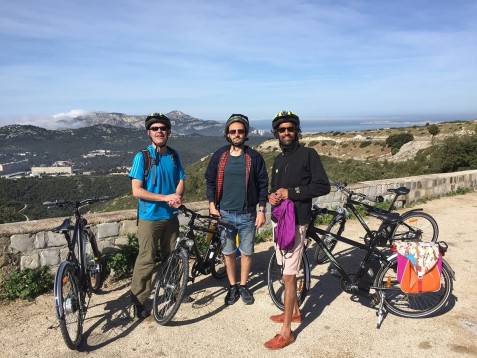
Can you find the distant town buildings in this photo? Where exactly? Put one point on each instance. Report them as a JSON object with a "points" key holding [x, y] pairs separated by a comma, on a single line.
{"points": [[101, 152], [14, 167], [35, 171]]}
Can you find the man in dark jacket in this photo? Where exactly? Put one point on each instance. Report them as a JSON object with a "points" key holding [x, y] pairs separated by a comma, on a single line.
{"points": [[297, 175], [237, 181]]}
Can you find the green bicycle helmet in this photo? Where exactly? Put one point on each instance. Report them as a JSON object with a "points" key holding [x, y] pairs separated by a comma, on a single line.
{"points": [[237, 118], [157, 117], [285, 116]]}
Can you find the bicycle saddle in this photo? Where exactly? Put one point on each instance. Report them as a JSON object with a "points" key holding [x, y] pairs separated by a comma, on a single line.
{"points": [[65, 227], [400, 191]]}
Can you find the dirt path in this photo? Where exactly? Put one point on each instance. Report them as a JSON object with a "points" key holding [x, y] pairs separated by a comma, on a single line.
{"points": [[334, 324]]}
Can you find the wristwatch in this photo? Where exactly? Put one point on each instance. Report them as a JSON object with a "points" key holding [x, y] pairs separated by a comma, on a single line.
{"points": [[262, 211]]}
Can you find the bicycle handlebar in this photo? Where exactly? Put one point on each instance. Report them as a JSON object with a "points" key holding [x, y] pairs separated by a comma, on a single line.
{"points": [[342, 187], [77, 203], [188, 212]]}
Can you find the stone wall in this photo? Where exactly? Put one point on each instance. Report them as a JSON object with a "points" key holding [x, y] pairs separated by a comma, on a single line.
{"points": [[31, 244]]}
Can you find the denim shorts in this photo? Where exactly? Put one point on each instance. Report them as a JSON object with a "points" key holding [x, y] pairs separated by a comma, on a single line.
{"points": [[244, 225]]}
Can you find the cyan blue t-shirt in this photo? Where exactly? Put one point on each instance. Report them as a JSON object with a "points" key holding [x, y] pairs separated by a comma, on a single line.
{"points": [[167, 172]]}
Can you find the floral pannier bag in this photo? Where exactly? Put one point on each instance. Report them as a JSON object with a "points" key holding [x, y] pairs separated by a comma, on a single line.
{"points": [[419, 266]]}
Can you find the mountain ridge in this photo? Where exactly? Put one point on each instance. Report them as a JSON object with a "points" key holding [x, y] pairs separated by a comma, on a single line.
{"points": [[182, 123]]}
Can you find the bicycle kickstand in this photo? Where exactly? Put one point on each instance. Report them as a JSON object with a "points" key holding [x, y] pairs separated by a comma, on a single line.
{"points": [[380, 312]]}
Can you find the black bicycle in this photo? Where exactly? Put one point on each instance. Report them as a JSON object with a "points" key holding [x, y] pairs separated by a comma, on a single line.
{"points": [[173, 274], [377, 271], [79, 275], [412, 225]]}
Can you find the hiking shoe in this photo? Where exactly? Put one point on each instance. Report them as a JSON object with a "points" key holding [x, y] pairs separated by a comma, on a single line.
{"points": [[278, 342], [246, 295], [140, 311], [232, 295], [279, 318]]}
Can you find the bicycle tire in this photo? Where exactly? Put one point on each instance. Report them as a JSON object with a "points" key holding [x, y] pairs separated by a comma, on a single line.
{"points": [[170, 286], [69, 298], [276, 287], [93, 263], [217, 263], [336, 226], [416, 226], [417, 305]]}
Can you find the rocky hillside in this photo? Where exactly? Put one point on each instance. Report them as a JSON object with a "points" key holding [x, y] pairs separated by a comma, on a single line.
{"points": [[370, 144]]}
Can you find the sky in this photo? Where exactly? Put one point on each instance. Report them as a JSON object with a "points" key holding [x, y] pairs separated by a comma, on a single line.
{"points": [[211, 58]]}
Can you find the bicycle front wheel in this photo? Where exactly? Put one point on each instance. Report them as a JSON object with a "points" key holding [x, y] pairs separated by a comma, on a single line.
{"points": [[276, 287], [415, 305], [217, 263], [170, 285], [69, 309], [416, 226], [336, 226]]}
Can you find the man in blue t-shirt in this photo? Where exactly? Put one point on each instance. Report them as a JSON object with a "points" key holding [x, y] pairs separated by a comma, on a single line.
{"points": [[237, 181], [159, 190]]}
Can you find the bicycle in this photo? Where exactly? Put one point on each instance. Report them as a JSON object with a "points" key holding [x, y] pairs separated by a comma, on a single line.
{"points": [[79, 275], [173, 274], [413, 225], [376, 271]]}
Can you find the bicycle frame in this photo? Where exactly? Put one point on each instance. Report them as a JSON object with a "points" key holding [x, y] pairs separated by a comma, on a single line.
{"points": [[78, 262], [388, 227], [314, 232], [189, 241], [79, 229]]}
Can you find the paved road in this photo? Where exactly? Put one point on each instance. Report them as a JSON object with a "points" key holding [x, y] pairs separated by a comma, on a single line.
{"points": [[335, 325]]}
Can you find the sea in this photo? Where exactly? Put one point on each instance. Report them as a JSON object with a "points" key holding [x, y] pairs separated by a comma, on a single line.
{"points": [[346, 124]]}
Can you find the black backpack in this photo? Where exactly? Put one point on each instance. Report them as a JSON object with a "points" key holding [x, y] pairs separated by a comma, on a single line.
{"points": [[150, 161]]}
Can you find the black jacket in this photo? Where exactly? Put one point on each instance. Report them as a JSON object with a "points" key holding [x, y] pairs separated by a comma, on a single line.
{"points": [[301, 172]]}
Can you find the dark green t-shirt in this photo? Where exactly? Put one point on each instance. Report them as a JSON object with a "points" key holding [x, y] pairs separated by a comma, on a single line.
{"points": [[234, 195]]}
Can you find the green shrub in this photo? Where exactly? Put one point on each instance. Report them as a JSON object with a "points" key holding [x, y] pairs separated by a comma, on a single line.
{"points": [[27, 284], [396, 141], [323, 219], [263, 235], [365, 144], [122, 263], [313, 143], [460, 191], [344, 145]]}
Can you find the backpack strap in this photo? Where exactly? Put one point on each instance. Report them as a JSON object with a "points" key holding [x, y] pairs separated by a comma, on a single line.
{"points": [[146, 157], [148, 162]]}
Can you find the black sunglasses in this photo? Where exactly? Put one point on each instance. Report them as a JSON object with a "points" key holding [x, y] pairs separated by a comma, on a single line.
{"points": [[283, 129], [161, 128], [239, 131]]}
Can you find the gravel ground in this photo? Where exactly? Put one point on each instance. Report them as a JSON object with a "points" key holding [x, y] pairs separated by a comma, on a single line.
{"points": [[334, 325]]}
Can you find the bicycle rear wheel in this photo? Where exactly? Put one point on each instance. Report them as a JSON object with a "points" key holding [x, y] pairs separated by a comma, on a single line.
{"points": [[217, 263], [276, 287], [416, 226], [170, 285], [336, 226], [415, 305], [68, 297], [93, 263]]}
